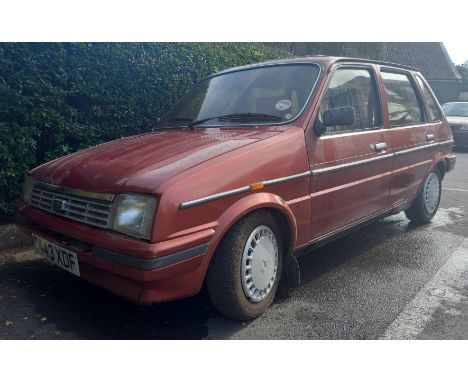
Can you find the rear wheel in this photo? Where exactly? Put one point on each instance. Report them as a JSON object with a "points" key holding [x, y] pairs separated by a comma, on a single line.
{"points": [[244, 274], [426, 204]]}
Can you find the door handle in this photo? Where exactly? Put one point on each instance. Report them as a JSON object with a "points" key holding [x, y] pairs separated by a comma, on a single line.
{"points": [[379, 146], [430, 137]]}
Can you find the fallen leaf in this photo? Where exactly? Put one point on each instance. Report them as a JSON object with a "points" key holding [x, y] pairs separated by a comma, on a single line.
{"points": [[25, 318], [8, 323], [44, 318], [57, 333]]}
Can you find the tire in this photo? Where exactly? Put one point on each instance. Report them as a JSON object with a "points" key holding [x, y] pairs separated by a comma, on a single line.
{"points": [[427, 202], [228, 277]]}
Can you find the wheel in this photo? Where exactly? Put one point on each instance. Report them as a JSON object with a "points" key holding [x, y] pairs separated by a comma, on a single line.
{"points": [[427, 202], [246, 268]]}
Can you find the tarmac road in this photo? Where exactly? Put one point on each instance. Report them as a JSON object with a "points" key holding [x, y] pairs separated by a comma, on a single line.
{"points": [[389, 280]]}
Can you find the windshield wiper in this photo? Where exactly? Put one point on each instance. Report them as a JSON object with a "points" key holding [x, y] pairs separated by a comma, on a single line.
{"points": [[157, 125], [179, 119], [237, 117]]}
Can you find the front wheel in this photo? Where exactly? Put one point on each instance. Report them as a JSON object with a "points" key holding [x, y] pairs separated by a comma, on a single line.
{"points": [[427, 202], [244, 274]]}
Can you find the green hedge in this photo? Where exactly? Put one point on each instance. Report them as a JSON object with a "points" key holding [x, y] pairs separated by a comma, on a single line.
{"points": [[56, 98]]}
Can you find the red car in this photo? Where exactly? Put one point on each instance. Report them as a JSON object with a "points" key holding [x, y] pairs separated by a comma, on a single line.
{"points": [[457, 118], [254, 165]]}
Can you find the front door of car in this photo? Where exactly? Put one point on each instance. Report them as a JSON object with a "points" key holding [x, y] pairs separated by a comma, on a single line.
{"points": [[351, 164]]}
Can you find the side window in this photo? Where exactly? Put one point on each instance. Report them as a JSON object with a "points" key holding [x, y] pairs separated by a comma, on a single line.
{"points": [[403, 104], [434, 112], [356, 88]]}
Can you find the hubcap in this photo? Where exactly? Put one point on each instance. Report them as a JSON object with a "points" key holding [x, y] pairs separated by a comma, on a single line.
{"points": [[259, 263], [431, 192]]}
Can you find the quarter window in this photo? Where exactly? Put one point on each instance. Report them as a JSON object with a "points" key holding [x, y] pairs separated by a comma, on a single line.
{"points": [[356, 88], [403, 104], [434, 112]]}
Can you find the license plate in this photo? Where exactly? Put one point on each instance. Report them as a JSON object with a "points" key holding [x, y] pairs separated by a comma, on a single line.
{"points": [[56, 255], [464, 128]]}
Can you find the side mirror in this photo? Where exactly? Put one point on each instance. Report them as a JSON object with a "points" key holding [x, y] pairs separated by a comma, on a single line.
{"points": [[340, 116]]}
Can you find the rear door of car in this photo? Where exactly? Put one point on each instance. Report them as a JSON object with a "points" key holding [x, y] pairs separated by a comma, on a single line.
{"points": [[350, 164], [411, 137]]}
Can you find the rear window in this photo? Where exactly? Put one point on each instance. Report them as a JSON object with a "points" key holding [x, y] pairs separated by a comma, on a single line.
{"points": [[433, 109], [403, 105]]}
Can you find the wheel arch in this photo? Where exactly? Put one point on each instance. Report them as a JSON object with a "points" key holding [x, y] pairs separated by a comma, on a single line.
{"points": [[254, 202]]}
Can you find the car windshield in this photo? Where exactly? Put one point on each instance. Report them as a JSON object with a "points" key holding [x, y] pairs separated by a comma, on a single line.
{"points": [[456, 109], [268, 95]]}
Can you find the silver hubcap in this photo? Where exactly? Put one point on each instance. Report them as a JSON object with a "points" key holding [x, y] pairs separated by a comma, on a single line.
{"points": [[431, 192], [259, 263]]}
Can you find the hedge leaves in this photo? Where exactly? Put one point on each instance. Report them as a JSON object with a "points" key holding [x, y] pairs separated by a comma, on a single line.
{"points": [[56, 98]]}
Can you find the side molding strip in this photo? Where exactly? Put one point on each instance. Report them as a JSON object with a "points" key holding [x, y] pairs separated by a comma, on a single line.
{"points": [[320, 171], [210, 198], [326, 170], [241, 190]]}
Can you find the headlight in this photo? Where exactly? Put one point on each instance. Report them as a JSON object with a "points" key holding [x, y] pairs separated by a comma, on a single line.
{"points": [[133, 214], [27, 189]]}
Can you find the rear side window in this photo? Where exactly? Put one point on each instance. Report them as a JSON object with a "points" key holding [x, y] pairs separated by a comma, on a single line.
{"points": [[356, 88], [434, 112], [403, 105]]}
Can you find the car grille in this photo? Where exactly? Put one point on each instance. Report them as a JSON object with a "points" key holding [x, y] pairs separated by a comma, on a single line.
{"points": [[61, 201]]}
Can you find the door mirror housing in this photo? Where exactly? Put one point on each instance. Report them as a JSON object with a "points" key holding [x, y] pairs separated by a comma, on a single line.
{"points": [[339, 116]]}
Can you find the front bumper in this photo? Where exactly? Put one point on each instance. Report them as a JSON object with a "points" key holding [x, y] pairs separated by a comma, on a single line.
{"points": [[133, 269]]}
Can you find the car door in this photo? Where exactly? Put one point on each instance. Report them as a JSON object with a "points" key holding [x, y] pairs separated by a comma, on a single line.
{"points": [[349, 164], [408, 132]]}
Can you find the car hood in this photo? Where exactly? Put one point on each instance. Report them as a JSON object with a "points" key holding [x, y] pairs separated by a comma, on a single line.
{"points": [[141, 163], [457, 120]]}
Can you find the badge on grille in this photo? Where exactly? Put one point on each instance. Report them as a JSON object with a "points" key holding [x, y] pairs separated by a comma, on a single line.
{"points": [[59, 205]]}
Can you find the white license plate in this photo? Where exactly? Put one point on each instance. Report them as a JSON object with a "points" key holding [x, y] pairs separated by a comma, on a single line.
{"points": [[56, 255]]}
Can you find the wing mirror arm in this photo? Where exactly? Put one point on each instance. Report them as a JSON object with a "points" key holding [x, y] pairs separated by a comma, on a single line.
{"points": [[319, 127]]}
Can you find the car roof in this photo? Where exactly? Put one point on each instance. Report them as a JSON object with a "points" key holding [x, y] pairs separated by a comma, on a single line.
{"points": [[324, 61]]}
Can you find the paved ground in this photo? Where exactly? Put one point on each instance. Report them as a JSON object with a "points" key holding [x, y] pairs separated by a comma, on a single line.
{"points": [[391, 279]]}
